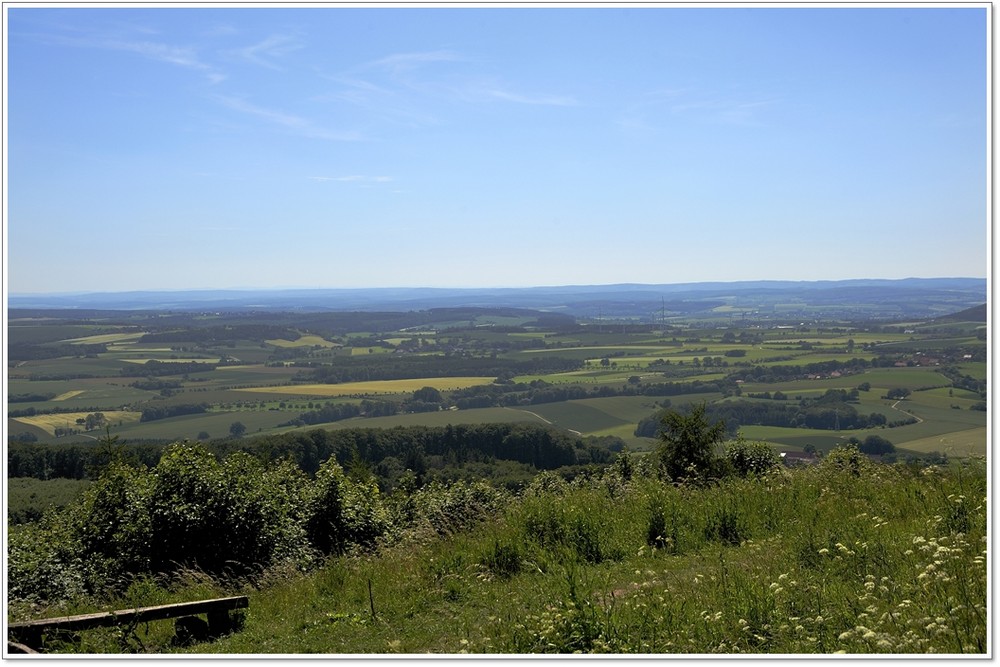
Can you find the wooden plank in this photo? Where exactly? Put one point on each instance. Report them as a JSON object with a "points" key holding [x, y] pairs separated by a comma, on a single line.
{"points": [[138, 615], [14, 647]]}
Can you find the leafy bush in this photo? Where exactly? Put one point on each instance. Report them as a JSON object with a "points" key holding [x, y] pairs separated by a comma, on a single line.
{"points": [[751, 458], [340, 511]]}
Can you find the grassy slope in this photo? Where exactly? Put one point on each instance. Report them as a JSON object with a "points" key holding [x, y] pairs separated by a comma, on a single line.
{"points": [[856, 559]]}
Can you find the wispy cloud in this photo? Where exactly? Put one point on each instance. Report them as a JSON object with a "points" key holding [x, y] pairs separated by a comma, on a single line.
{"points": [[385, 102], [353, 179], [399, 63], [534, 99], [174, 55], [180, 56], [725, 111], [718, 107], [266, 53], [297, 124]]}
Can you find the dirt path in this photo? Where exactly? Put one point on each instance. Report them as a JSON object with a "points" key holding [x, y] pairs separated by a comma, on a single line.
{"points": [[893, 406], [535, 414]]}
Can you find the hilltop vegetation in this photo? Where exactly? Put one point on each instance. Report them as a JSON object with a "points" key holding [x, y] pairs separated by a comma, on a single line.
{"points": [[845, 556]]}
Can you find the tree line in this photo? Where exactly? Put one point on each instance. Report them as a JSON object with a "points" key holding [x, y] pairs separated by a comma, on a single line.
{"points": [[401, 367], [539, 446], [538, 392], [828, 412]]}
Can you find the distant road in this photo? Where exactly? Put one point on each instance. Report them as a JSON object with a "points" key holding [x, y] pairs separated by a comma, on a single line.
{"points": [[905, 412], [535, 414]]}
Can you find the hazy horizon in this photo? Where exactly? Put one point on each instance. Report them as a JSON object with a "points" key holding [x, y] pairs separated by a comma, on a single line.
{"points": [[487, 288], [211, 148]]}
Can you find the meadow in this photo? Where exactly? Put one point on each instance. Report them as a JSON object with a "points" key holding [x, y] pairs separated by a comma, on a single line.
{"points": [[846, 557]]}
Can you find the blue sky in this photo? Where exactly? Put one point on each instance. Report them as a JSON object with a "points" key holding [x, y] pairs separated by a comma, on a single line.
{"points": [[170, 148]]}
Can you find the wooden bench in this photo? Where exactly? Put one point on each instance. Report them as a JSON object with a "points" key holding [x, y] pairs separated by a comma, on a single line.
{"points": [[28, 634]]}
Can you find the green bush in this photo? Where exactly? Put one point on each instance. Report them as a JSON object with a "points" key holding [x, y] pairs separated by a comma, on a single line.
{"points": [[341, 511], [236, 517], [750, 458]]}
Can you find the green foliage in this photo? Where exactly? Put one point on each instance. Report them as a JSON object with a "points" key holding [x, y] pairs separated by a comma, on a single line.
{"points": [[341, 511], [427, 395], [750, 458], [845, 556], [876, 444], [503, 559], [28, 498], [687, 448], [439, 510], [848, 459]]}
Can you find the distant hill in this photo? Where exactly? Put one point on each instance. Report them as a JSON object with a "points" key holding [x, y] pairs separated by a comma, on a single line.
{"points": [[974, 314], [764, 300]]}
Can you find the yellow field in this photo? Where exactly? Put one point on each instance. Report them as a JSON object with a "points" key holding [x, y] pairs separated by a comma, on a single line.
{"points": [[374, 387], [68, 394], [105, 338], [361, 351], [49, 423], [961, 443], [303, 341], [130, 346], [214, 360]]}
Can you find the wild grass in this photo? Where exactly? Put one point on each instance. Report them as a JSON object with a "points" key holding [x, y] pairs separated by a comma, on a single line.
{"points": [[844, 557]]}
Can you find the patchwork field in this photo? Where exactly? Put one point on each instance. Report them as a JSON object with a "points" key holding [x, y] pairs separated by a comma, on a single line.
{"points": [[49, 423], [302, 341], [273, 382], [373, 388]]}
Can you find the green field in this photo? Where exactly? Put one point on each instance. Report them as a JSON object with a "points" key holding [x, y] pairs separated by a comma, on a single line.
{"points": [[373, 388], [441, 418], [269, 385], [958, 443]]}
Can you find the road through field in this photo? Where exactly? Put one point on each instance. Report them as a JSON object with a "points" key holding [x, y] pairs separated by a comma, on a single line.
{"points": [[535, 414], [909, 414]]}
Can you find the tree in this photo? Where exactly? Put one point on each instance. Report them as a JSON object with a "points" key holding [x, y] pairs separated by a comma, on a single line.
{"points": [[236, 429], [427, 395], [877, 445], [687, 443]]}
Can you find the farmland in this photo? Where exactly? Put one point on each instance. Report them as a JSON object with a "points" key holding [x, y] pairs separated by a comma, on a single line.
{"points": [[275, 373], [508, 463]]}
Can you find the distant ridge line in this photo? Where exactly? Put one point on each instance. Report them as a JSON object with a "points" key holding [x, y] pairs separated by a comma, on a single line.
{"points": [[925, 297]]}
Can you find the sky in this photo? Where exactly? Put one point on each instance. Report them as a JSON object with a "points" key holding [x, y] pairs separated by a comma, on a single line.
{"points": [[268, 147]]}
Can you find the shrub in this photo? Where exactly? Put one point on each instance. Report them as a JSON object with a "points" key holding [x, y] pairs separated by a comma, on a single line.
{"points": [[502, 559], [750, 458], [341, 511], [236, 516], [848, 459]]}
